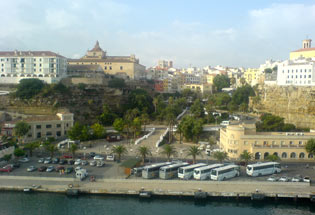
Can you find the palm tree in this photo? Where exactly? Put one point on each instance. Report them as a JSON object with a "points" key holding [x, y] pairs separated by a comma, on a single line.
{"points": [[171, 120], [119, 151], [155, 103], [73, 148], [310, 146], [144, 152], [169, 150], [52, 149], [272, 158], [193, 151], [21, 129], [31, 147], [220, 156], [246, 156]]}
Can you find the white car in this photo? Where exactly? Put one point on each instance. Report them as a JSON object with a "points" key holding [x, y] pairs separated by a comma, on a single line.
{"points": [[93, 163], [297, 178], [77, 168], [31, 168], [100, 163], [98, 157], [78, 162], [47, 160], [24, 160], [273, 178], [84, 162], [110, 157], [50, 169], [307, 179], [284, 179], [41, 160]]}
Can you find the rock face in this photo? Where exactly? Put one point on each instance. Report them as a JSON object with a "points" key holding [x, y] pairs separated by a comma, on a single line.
{"points": [[295, 104]]}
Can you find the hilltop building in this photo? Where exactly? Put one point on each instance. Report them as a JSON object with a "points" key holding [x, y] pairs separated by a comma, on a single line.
{"points": [[44, 65], [127, 67], [306, 51]]}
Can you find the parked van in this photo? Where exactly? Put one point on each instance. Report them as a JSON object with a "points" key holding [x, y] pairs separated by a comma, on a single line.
{"points": [[81, 174], [225, 123]]}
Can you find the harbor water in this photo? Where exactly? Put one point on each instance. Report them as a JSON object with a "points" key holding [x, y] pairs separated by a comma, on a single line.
{"points": [[15, 203]]}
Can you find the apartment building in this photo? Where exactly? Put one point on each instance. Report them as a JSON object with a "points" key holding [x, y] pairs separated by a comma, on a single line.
{"points": [[44, 65], [234, 139]]}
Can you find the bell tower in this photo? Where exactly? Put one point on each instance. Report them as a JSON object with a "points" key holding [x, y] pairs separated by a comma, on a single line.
{"points": [[307, 43]]}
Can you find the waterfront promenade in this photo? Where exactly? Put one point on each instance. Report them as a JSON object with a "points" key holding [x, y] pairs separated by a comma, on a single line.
{"points": [[161, 187]]}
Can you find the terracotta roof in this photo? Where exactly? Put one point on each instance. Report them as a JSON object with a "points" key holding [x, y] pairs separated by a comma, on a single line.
{"points": [[96, 48], [305, 50], [41, 118], [29, 54]]}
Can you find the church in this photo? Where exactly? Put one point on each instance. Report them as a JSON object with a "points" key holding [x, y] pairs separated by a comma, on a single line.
{"points": [[127, 67]]}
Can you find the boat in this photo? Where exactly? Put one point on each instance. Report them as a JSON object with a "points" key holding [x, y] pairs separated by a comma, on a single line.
{"points": [[27, 190], [145, 194]]}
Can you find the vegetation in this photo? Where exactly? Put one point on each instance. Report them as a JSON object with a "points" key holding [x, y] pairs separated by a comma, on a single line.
{"points": [[117, 83], [73, 148], [51, 148], [272, 158], [221, 81], [144, 151], [220, 156], [191, 128], [194, 152], [119, 151], [19, 152], [246, 157], [99, 131], [169, 150], [21, 129], [28, 88], [31, 147], [310, 146], [107, 118], [7, 157]]}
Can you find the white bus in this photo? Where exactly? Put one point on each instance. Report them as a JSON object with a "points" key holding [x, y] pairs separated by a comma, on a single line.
{"points": [[225, 172], [203, 173], [260, 169], [170, 171], [187, 172], [152, 171]]}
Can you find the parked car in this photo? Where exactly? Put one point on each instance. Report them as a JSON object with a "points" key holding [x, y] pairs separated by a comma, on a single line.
{"points": [[67, 156], [110, 157], [24, 160], [284, 179], [59, 168], [92, 154], [47, 160], [16, 165], [55, 160], [7, 168], [62, 161], [31, 168], [93, 163], [50, 169], [41, 160], [71, 162], [273, 178], [100, 163], [98, 157], [297, 178], [42, 168], [84, 162], [77, 168], [307, 179], [69, 170], [78, 162]]}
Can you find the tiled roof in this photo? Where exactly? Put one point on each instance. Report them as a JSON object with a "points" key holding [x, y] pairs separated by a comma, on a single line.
{"points": [[305, 50], [29, 54]]}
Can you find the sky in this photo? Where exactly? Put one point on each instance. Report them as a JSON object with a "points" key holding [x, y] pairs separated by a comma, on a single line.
{"points": [[243, 33]]}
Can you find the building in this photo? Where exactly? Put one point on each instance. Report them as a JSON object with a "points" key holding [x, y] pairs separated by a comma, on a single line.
{"points": [[164, 64], [44, 65], [298, 72], [234, 139], [42, 127], [306, 51], [252, 76], [127, 67]]}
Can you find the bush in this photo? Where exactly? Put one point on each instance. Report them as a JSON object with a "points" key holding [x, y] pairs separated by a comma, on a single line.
{"points": [[28, 88]]}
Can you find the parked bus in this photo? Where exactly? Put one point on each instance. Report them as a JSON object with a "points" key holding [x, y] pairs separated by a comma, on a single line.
{"points": [[260, 169], [170, 171], [187, 172], [203, 173], [225, 172], [152, 171]]}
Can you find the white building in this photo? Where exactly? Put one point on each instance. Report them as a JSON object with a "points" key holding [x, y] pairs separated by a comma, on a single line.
{"points": [[44, 65], [298, 72]]}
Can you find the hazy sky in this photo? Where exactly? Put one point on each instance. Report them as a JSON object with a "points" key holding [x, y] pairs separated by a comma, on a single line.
{"points": [[189, 32]]}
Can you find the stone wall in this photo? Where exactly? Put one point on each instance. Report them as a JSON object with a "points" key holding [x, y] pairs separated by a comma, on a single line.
{"points": [[295, 104]]}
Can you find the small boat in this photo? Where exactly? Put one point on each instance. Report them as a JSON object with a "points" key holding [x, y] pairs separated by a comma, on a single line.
{"points": [[145, 194], [27, 190]]}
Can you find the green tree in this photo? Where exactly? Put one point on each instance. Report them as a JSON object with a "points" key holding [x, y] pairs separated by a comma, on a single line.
{"points": [[212, 142], [31, 147], [242, 94], [7, 157], [220, 156], [119, 151], [28, 88], [243, 107], [73, 148], [171, 120], [75, 132], [197, 108], [169, 150], [222, 99], [119, 125], [310, 146], [221, 81], [19, 152], [272, 158], [52, 149], [194, 152], [21, 129], [197, 129], [98, 130], [144, 151], [118, 83], [136, 127], [145, 119], [243, 81], [141, 100], [246, 156], [107, 117]]}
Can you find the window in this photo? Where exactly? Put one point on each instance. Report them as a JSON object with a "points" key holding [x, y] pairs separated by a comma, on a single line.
{"points": [[293, 155], [105, 67], [309, 76], [48, 126], [29, 135], [38, 126], [291, 142], [48, 133], [58, 126], [121, 68], [265, 143], [110, 68], [34, 64], [58, 133], [300, 142], [39, 135], [284, 155]]}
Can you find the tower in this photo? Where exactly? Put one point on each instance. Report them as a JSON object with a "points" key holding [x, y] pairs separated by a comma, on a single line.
{"points": [[307, 43]]}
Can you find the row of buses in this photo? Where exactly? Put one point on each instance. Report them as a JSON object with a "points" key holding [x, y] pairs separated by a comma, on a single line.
{"points": [[201, 171]]}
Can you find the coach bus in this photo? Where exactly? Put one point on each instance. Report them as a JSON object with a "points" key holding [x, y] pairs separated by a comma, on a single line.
{"points": [[187, 172], [152, 171], [260, 169], [170, 171], [203, 173], [225, 172]]}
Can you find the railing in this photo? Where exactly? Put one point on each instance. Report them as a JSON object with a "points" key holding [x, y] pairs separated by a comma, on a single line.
{"points": [[278, 146]]}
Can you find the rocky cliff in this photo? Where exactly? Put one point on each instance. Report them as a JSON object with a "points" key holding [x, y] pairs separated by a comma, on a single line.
{"points": [[295, 104]]}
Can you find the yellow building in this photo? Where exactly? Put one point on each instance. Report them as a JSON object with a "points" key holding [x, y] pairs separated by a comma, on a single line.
{"points": [[234, 139], [252, 76], [123, 66], [202, 88], [306, 51], [208, 78]]}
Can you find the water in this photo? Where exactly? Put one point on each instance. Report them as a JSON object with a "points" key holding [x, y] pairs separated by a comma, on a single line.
{"points": [[15, 203]]}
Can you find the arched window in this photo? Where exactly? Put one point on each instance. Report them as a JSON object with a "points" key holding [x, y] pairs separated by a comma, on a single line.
{"points": [[302, 155], [284, 155], [257, 156], [2, 75], [266, 155], [276, 153], [293, 155], [310, 155], [40, 75]]}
